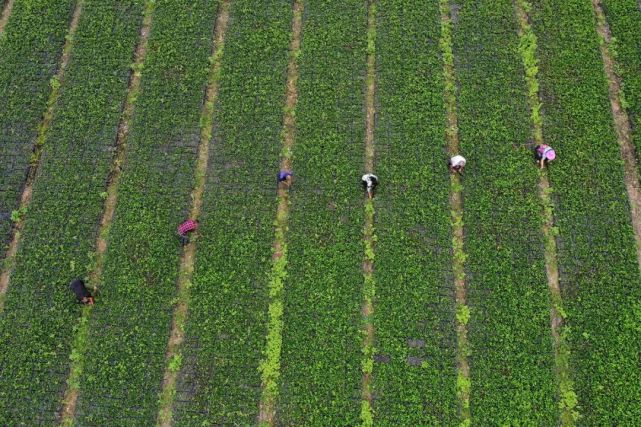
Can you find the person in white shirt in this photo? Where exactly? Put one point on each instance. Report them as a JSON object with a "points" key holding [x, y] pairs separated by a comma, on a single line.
{"points": [[369, 181], [456, 164]]}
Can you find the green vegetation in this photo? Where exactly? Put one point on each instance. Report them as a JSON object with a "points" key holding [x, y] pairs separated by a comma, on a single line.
{"points": [[129, 327], [30, 48], [597, 258], [322, 339], [414, 372], [60, 229], [226, 329], [511, 360]]}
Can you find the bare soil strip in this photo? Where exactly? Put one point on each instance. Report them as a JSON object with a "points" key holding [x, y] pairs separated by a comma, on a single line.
{"points": [[77, 359], [25, 199], [621, 123], [567, 402], [6, 13], [369, 238], [456, 207], [270, 366], [177, 334]]}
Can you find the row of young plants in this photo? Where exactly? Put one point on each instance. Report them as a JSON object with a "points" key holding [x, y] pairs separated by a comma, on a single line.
{"points": [[130, 324], [219, 381], [322, 339], [30, 48], [414, 370], [511, 355], [597, 257], [624, 19], [37, 325]]}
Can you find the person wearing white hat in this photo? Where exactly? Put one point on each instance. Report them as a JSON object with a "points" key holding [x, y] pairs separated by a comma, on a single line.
{"points": [[456, 164], [544, 154], [369, 181]]}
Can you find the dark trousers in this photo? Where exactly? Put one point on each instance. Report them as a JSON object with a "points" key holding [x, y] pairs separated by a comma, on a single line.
{"points": [[184, 239]]}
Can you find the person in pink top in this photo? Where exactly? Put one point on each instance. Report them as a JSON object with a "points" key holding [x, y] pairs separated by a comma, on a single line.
{"points": [[184, 229], [544, 154]]}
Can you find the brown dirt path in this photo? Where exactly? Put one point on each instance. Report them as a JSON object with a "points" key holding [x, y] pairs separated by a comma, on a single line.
{"points": [[78, 347], [456, 208], [6, 13], [25, 199], [369, 237], [270, 366], [621, 124], [567, 398], [177, 334]]}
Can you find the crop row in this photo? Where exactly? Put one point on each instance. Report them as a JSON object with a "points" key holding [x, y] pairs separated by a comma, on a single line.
{"points": [[414, 372], [225, 332], [511, 357], [624, 18], [59, 234], [30, 48], [129, 326], [597, 259], [321, 354]]}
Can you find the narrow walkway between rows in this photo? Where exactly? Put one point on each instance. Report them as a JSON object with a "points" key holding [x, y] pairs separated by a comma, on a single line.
{"points": [[567, 396], [369, 237], [456, 206], [6, 13], [177, 334], [25, 199], [270, 365], [621, 123], [77, 362]]}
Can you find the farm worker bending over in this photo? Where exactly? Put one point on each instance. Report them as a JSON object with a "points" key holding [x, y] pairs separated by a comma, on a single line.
{"points": [[544, 154], [456, 164], [285, 177], [80, 290], [185, 228], [369, 181]]}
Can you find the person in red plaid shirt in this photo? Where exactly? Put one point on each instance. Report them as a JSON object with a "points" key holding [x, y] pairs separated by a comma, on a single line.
{"points": [[186, 227]]}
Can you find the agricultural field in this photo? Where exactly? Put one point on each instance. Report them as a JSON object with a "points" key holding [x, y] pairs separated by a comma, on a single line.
{"points": [[506, 295]]}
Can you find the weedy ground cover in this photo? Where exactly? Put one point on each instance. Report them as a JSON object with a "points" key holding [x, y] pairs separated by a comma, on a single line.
{"points": [[30, 48], [59, 233], [129, 328], [597, 258], [321, 354], [511, 357], [219, 381], [414, 365]]}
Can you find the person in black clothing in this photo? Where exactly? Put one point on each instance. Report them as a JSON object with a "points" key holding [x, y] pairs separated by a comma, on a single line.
{"points": [[80, 290]]}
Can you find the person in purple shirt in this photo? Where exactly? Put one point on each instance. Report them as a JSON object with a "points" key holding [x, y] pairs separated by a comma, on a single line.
{"points": [[285, 177]]}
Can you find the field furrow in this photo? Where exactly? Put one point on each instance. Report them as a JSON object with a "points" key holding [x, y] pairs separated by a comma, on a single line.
{"points": [[599, 274], [30, 48], [60, 230], [130, 323], [414, 367], [219, 382], [321, 354], [511, 354]]}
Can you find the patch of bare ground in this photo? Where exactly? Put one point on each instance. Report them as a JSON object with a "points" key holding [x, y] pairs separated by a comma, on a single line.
{"points": [[25, 198], [621, 124], [6, 13], [369, 238], [567, 397], [270, 365], [77, 361], [187, 260], [456, 209]]}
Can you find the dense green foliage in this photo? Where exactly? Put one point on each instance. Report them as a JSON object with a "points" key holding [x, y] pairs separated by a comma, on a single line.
{"points": [[129, 327], [597, 260], [414, 372], [321, 372], [60, 230], [225, 333], [511, 357], [30, 49], [624, 18]]}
